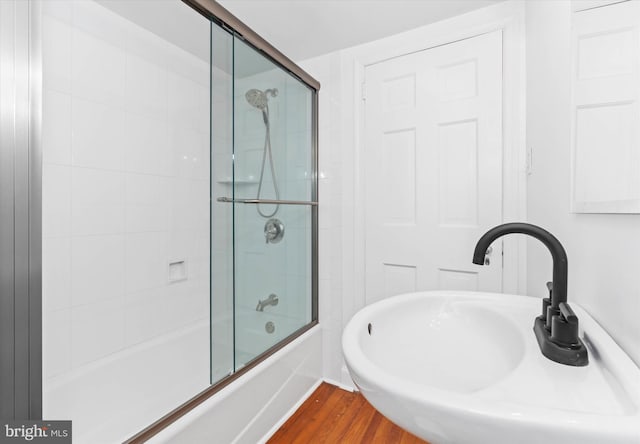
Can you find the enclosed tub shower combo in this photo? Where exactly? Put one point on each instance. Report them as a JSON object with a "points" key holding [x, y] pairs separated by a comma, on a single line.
{"points": [[176, 154]]}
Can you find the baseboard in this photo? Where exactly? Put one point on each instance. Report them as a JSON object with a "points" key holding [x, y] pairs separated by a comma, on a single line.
{"points": [[347, 387], [346, 379]]}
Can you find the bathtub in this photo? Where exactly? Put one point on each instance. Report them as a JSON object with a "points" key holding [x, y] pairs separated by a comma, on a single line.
{"points": [[257, 331], [251, 408], [113, 398]]}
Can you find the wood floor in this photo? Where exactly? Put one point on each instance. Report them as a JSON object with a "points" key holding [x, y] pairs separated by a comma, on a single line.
{"points": [[335, 416]]}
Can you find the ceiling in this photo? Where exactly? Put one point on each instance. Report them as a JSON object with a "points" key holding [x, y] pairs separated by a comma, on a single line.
{"points": [[302, 29]]}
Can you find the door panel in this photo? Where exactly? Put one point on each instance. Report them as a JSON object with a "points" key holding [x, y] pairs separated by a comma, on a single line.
{"points": [[606, 110], [433, 167]]}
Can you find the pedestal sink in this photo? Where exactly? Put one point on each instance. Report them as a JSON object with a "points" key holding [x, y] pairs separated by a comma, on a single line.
{"points": [[464, 367]]}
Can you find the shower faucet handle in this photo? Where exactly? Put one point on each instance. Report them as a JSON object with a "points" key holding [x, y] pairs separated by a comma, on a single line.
{"points": [[270, 232], [273, 231]]}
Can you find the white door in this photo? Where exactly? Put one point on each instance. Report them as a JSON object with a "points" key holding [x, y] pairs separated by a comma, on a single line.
{"points": [[433, 168]]}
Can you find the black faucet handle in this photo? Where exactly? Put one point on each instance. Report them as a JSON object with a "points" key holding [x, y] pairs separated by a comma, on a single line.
{"points": [[564, 327], [546, 302], [568, 314]]}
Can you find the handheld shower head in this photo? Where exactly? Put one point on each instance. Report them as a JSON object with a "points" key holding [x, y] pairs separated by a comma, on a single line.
{"points": [[260, 99], [256, 98]]}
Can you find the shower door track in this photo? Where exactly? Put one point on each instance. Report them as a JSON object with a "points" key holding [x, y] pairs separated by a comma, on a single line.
{"points": [[267, 201], [214, 11]]}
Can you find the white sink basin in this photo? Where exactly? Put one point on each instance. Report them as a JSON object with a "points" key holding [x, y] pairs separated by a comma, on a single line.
{"points": [[462, 367]]}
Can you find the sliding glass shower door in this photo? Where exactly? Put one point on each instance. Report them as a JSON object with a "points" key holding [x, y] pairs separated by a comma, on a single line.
{"points": [[222, 362], [273, 162], [263, 204]]}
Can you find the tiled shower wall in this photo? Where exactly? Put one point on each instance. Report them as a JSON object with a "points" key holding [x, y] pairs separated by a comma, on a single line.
{"points": [[125, 191]]}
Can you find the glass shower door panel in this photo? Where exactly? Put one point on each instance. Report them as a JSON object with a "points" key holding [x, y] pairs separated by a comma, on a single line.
{"points": [[273, 161], [272, 121], [221, 213], [273, 281]]}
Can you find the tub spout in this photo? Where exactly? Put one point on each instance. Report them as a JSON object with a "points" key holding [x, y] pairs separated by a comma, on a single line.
{"points": [[271, 300]]}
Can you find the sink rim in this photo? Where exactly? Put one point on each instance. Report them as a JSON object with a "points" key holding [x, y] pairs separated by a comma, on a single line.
{"points": [[453, 333], [369, 373]]}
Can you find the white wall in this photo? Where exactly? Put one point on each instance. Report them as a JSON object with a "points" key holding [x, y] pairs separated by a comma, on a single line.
{"points": [[336, 205], [125, 191], [603, 249]]}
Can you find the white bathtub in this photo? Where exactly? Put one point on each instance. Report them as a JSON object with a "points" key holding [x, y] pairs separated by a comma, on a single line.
{"points": [[251, 408], [252, 337], [112, 399]]}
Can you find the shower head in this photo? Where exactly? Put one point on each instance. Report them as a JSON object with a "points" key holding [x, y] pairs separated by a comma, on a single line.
{"points": [[256, 98], [259, 99]]}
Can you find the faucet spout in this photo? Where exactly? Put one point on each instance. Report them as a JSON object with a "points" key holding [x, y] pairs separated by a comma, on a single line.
{"points": [[271, 300], [559, 255], [556, 329]]}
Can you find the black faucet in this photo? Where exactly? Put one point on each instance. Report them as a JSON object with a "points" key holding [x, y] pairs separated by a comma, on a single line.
{"points": [[557, 328]]}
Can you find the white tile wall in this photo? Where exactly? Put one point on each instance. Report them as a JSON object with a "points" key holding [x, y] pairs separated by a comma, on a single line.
{"points": [[56, 345], [97, 69], [336, 203], [56, 50], [147, 207], [146, 316], [146, 146], [56, 277], [125, 190], [56, 200], [146, 88], [97, 330], [97, 269], [98, 134], [56, 130], [146, 261], [97, 202]]}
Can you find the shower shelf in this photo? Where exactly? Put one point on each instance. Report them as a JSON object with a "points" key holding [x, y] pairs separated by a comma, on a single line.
{"points": [[267, 201], [228, 181]]}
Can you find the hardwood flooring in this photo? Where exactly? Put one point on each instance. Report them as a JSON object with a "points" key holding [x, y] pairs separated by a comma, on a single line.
{"points": [[332, 415]]}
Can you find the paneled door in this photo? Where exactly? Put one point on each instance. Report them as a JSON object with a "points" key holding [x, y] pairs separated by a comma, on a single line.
{"points": [[606, 109], [433, 168]]}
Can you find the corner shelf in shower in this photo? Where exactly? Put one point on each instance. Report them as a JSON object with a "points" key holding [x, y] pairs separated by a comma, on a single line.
{"points": [[228, 181]]}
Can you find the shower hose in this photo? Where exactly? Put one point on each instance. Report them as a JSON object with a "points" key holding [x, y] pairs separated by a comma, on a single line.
{"points": [[267, 151]]}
